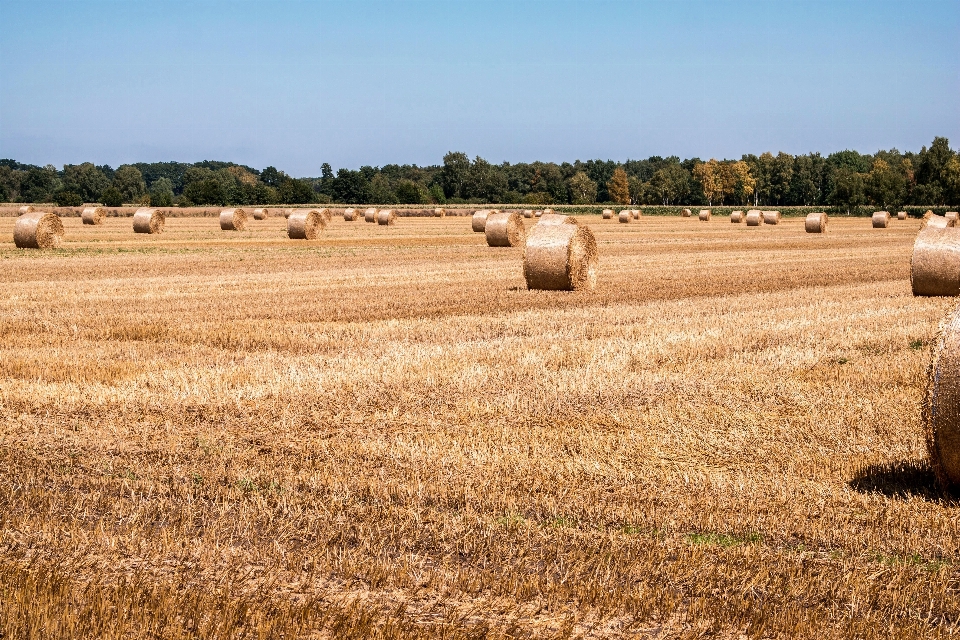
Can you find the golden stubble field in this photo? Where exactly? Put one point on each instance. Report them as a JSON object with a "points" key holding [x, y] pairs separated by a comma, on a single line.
{"points": [[382, 433]]}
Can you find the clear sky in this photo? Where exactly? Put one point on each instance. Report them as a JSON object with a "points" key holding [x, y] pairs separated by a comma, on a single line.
{"points": [[295, 84]]}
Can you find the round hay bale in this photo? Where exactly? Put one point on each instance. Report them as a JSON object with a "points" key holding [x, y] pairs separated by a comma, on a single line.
{"points": [[705, 215], [560, 257], [636, 214], [439, 212], [736, 217], [259, 214], [607, 214], [941, 404], [305, 224], [38, 230], [25, 209], [505, 229], [950, 215], [349, 215], [880, 219], [93, 215], [686, 213], [557, 218], [528, 213], [288, 212], [901, 215], [754, 218], [148, 221], [771, 217], [327, 215], [370, 215], [816, 223], [479, 221], [625, 216], [937, 222], [387, 217], [233, 220], [537, 214], [935, 263], [548, 211]]}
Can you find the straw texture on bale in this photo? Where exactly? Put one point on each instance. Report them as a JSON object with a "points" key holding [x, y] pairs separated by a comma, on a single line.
{"points": [[941, 406], [625, 216], [25, 209], [479, 221], [528, 213], [370, 215], [935, 263], [705, 215], [305, 224], [560, 257], [816, 223], [901, 215], [931, 221], [37, 230], [259, 214], [233, 220], [880, 219], [686, 213], [505, 229], [349, 215], [439, 212], [771, 217], [93, 215], [287, 212], [736, 217], [607, 214], [557, 218], [387, 217], [754, 218], [148, 221]]}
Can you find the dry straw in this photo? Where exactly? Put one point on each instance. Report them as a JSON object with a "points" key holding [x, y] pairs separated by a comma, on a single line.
{"points": [[93, 215], [305, 224], [941, 406], [736, 217], [233, 220], [607, 214], [148, 221], [479, 221], [880, 219], [557, 218], [370, 215], [771, 217], [260, 214], [37, 230], [901, 215], [387, 217], [505, 229], [754, 218], [935, 264], [25, 209], [816, 223], [705, 215], [625, 216], [560, 257], [528, 213], [439, 212], [349, 215]]}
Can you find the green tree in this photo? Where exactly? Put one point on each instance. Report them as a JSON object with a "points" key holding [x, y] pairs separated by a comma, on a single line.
{"points": [[381, 192], [112, 197], [781, 175], [885, 187], [161, 193], [455, 173], [847, 190], [409, 192], [86, 180], [129, 182], [619, 187], [582, 189], [709, 176], [39, 184], [436, 194]]}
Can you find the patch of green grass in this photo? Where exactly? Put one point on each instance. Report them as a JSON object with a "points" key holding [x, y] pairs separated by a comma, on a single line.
{"points": [[914, 559], [916, 345]]}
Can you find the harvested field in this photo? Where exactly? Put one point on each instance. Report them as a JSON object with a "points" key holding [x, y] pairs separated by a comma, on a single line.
{"points": [[388, 435]]}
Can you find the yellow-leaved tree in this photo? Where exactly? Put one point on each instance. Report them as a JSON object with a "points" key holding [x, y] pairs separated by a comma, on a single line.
{"points": [[708, 174], [619, 187]]}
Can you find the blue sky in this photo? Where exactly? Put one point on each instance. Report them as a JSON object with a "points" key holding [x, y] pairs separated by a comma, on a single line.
{"points": [[295, 84]]}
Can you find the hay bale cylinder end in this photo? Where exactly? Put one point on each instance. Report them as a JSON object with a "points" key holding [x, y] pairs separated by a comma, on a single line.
{"points": [[560, 257], [505, 229], [38, 230]]}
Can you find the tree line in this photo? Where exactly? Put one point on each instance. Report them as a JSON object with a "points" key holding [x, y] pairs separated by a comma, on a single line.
{"points": [[845, 181]]}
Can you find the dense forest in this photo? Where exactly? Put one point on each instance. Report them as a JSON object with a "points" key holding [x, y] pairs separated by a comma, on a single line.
{"points": [[843, 181]]}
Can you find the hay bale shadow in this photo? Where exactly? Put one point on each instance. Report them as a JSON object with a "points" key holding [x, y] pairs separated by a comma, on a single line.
{"points": [[901, 479]]}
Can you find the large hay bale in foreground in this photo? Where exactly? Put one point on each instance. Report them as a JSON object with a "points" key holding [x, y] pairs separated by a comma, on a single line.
{"points": [[439, 212], [147, 220], [736, 217], [260, 214], [705, 215], [816, 223], [607, 214], [771, 217], [38, 230], [505, 229], [370, 215], [935, 263], [686, 213], [557, 218], [25, 209], [754, 218], [560, 257], [880, 219], [479, 221], [901, 215], [941, 405], [625, 216], [93, 215], [349, 215], [305, 224], [387, 217], [233, 220]]}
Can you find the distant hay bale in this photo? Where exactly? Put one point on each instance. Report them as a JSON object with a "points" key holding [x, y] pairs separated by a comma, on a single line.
{"points": [[560, 257], [259, 214], [349, 215], [901, 215], [233, 220], [686, 213], [941, 404], [148, 221], [557, 218], [537, 214], [880, 219], [528, 213], [305, 224], [607, 214], [387, 217], [936, 222], [950, 215], [705, 215], [636, 214], [547, 211], [625, 216], [736, 217], [479, 220], [505, 229], [93, 215], [771, 217], [370, 215], [288, 212], [754, 218], [25, 209], [816, 223], [37, 230], [935, 263], [439, 212]]}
